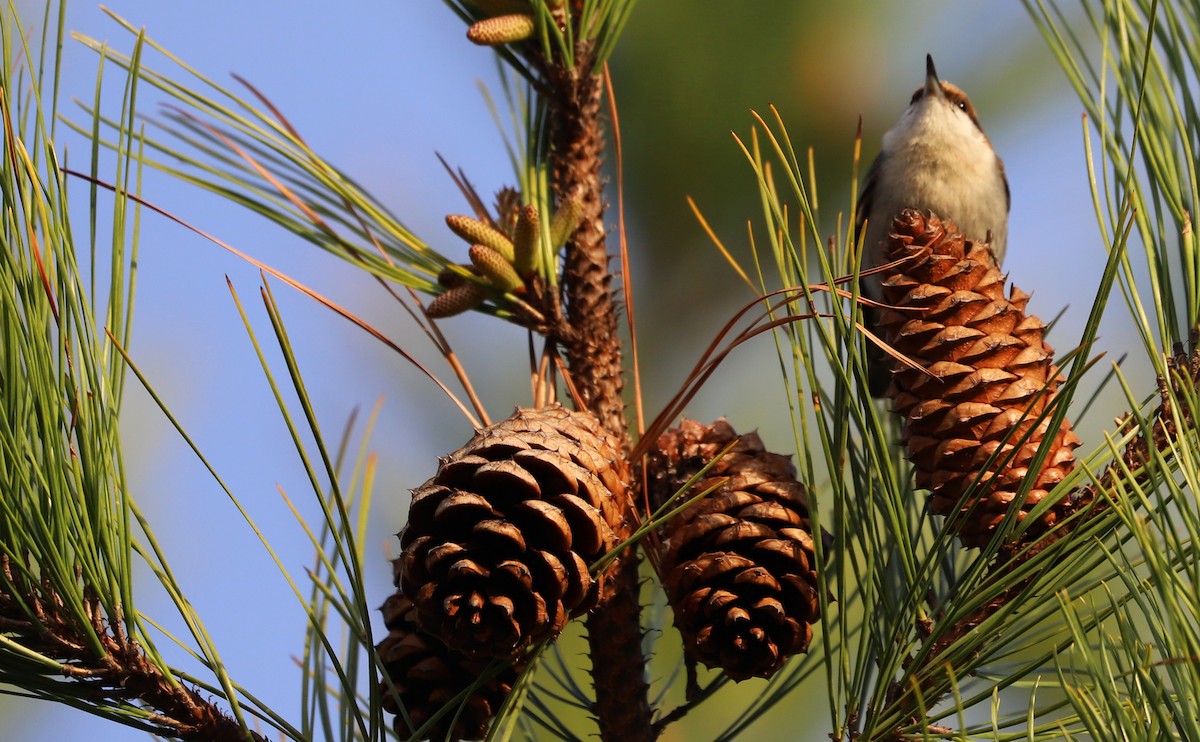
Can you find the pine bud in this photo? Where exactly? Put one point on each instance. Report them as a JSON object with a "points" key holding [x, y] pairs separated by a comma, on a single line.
{"points": [[566, 221], [504, 29], [478, 233], [453, 276], [495, 268], [457, 300], [526, 238]]}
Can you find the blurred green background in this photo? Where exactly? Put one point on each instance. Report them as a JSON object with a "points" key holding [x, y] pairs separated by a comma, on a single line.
{"points": [[378, 88]]}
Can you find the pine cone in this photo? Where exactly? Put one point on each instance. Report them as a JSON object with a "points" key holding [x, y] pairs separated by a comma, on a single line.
{"points": [[498, 544], [738, 565], [989, 377], [427, 675]]}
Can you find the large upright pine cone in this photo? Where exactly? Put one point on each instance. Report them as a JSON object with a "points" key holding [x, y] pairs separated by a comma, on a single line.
{"points": [[427, 675], [738, 565], [498, 544], [989, 376]]}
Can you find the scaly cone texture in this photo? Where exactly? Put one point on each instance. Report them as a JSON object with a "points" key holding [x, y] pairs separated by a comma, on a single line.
{"points": [[1183, 377], [427, 675], [498, 544], [989, 380], [739, 564]]}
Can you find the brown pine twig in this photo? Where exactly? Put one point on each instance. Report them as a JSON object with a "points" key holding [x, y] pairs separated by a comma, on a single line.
{"points": [[593, 353], [120, 673]]}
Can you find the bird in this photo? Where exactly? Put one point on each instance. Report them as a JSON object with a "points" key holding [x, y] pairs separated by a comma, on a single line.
{"points": [[935, 158]]}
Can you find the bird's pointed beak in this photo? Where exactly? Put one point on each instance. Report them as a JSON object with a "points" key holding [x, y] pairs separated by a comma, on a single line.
{"points": [[933, 86]]}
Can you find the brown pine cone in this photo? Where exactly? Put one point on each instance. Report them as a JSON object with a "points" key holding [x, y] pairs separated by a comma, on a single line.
{"points": [[498, 544], [738, 565], [989, 377], [428, 675]]}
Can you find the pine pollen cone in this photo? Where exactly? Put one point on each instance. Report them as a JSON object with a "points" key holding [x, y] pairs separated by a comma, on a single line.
{"points": [[981, 408]]}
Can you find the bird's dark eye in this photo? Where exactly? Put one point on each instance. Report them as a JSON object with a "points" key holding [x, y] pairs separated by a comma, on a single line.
{"points": [[962, 104]]}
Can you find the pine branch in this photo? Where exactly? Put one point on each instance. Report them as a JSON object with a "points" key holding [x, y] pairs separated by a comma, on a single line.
{"points": [[593, 347], [594, 358], [120, 674]]}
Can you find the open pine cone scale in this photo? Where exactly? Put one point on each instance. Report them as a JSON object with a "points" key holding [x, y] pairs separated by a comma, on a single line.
{"points": [[979, 409], [738, 564], [498, 546]]}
